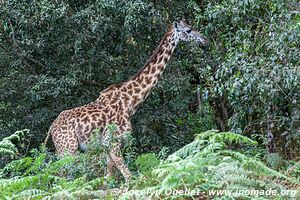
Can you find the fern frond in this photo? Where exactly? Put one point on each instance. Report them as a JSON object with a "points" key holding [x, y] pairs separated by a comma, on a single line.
{"points": [[37, 163], [230, 173], [227, 137], [4, 151], [63, 194], [6, 145], [94, 183], [30, 193], [18, 165], [7, 148], [58, 165], [234, 154], [18, 183], [17, 135], [259, 166], [234, 138], [188, 150]]}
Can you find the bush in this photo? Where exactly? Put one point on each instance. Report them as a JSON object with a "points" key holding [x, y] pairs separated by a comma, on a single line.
{"points": [[145, 162]]}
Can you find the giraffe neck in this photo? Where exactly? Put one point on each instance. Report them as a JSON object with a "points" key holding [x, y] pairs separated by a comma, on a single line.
{"points": [[141, 84]]}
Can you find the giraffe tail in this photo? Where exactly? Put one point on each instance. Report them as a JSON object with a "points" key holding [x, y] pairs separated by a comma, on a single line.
{"points": [[47, 138]]}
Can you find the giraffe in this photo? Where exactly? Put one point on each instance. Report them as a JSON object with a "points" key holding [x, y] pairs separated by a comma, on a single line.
{"points": [[118, 103]]}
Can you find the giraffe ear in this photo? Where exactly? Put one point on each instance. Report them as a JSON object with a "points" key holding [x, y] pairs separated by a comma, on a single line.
{"points": [[184, 21], [175, 24]]}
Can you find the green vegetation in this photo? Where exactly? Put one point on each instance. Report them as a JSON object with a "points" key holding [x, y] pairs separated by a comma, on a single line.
{"points": [[206, 164], [56, 55]]}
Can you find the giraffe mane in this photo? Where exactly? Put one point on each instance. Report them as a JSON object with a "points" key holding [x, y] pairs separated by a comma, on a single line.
{"points": [[155, 52]]}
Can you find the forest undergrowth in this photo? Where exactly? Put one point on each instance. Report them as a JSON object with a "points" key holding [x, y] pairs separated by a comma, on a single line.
{"points": [[214, 161]]}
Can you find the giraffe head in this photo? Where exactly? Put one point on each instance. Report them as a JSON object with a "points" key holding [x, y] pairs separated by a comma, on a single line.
{"points": [[185, 32]]}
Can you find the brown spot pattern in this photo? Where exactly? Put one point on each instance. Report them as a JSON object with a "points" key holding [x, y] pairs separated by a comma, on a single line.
{"points": [[116, 104]]}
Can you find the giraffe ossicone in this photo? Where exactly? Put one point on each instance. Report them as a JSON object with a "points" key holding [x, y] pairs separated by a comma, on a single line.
{"points": [[117, 103]]}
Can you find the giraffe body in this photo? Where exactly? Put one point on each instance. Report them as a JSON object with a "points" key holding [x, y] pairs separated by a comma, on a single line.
{"points": [[116, 104]]}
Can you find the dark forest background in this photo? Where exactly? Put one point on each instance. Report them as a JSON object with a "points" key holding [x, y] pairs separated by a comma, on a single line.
{"points": [[56, 55]]}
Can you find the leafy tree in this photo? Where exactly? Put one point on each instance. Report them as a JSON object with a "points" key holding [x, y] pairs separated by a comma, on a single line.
{"points": [[251, 76], [59, 55]]}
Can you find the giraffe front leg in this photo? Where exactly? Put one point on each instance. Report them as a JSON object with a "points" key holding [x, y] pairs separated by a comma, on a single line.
{"points": [[110, 167], [118, 160]]}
